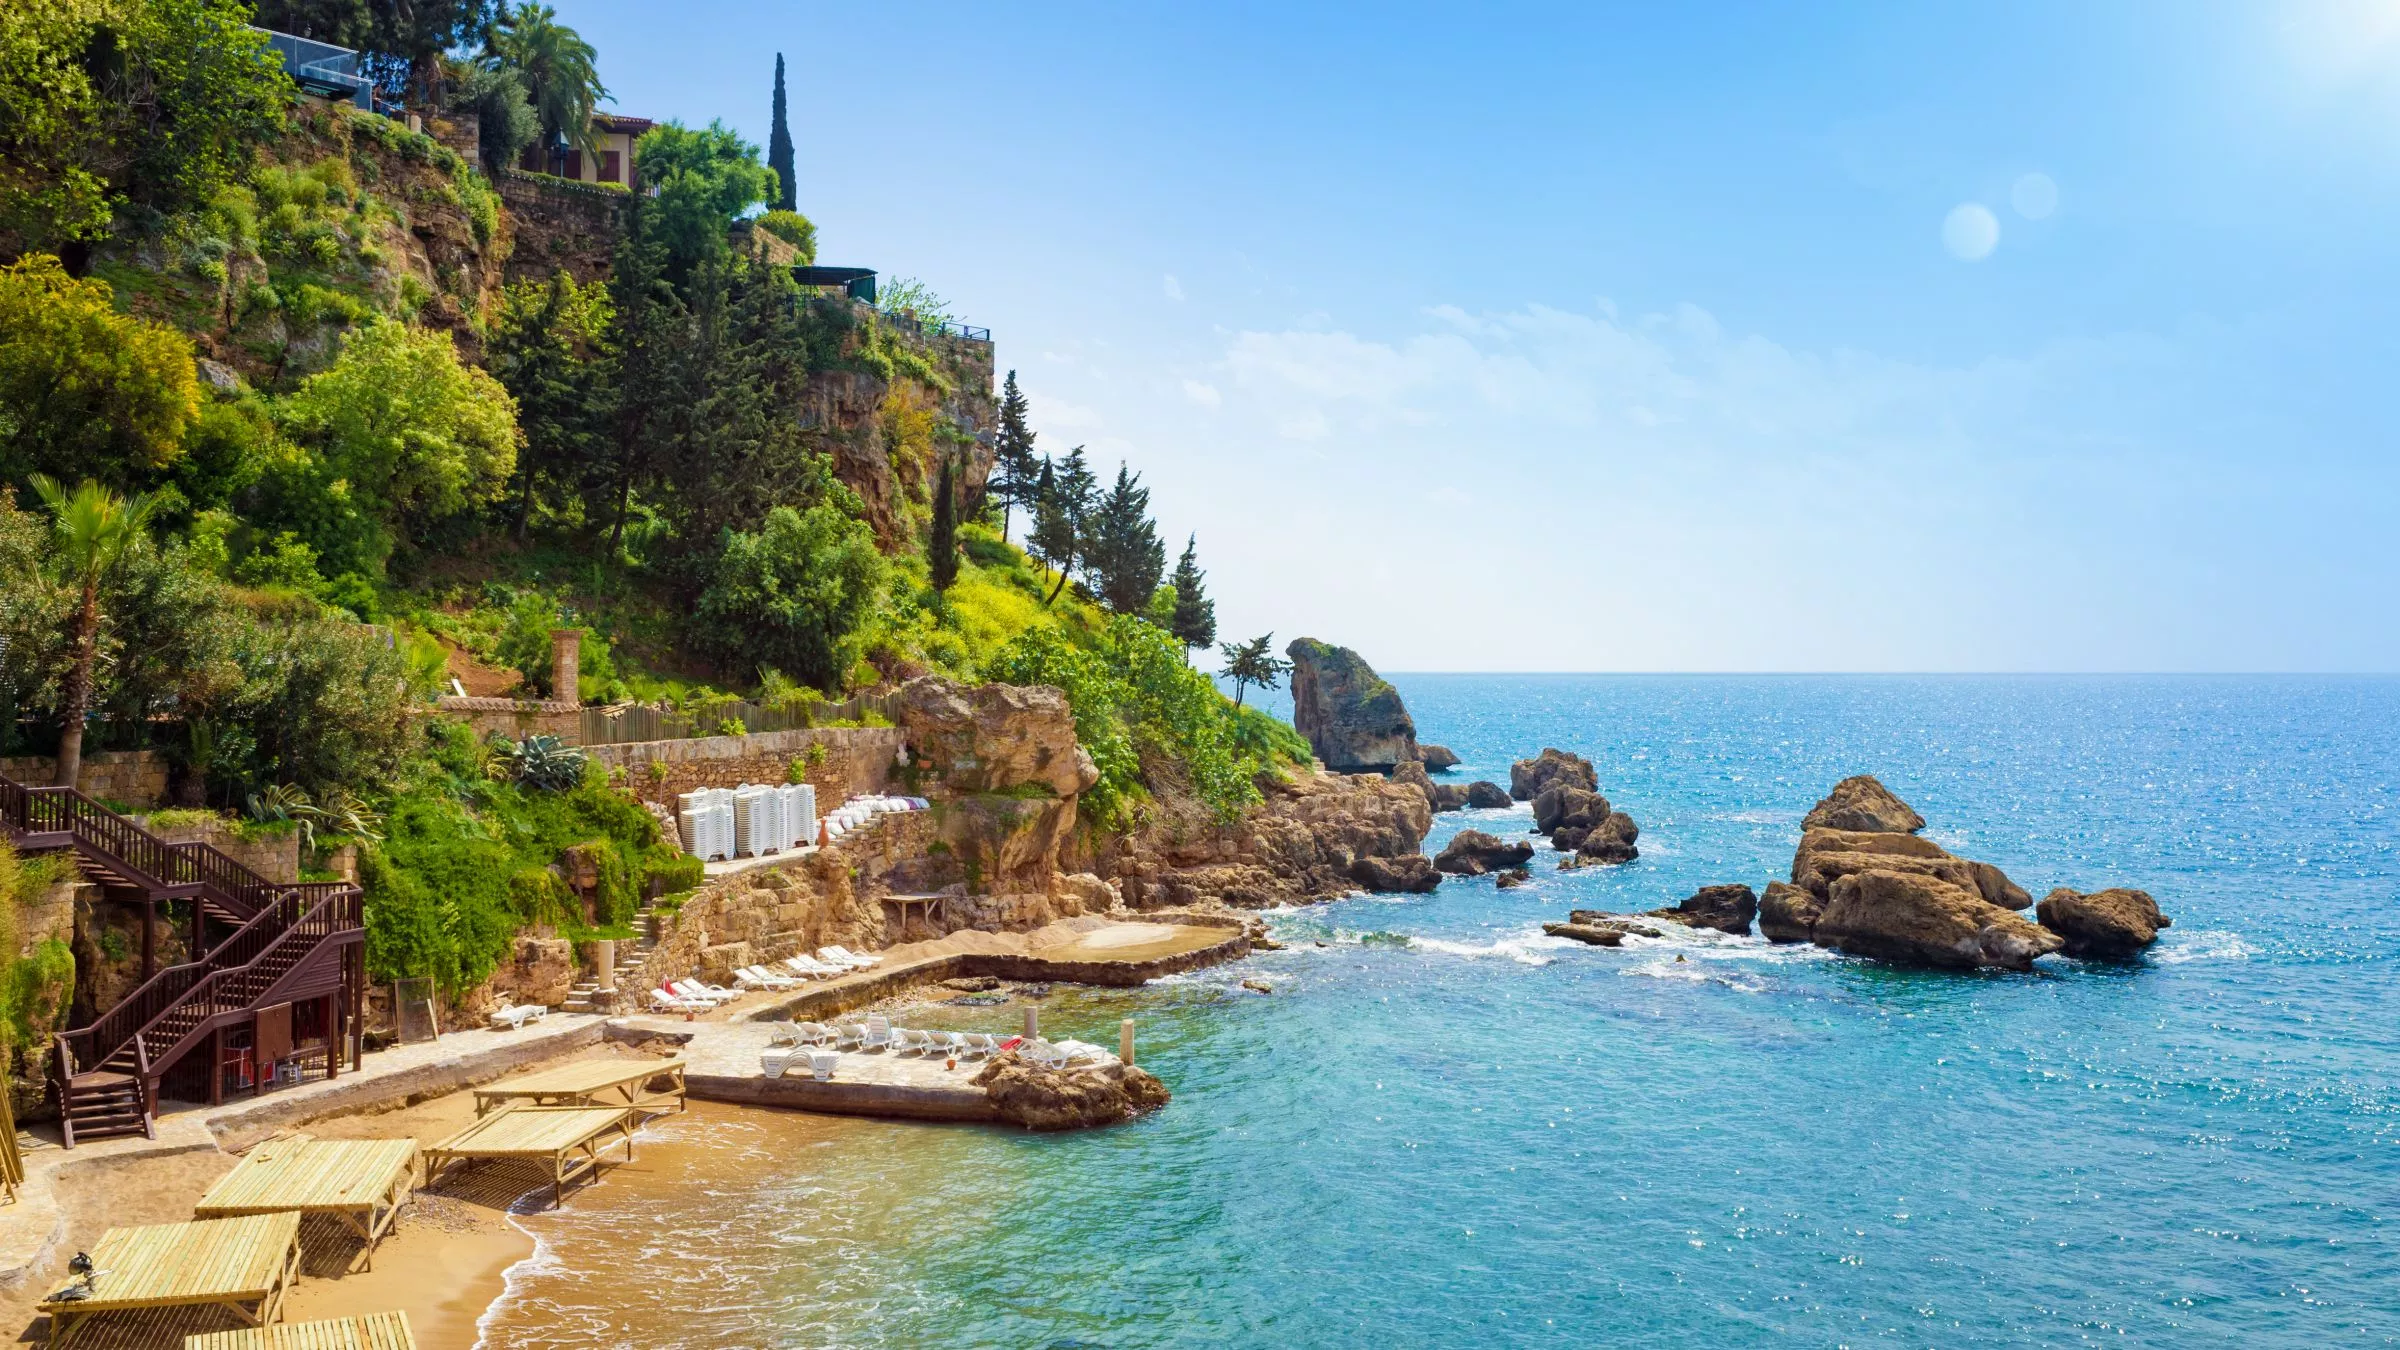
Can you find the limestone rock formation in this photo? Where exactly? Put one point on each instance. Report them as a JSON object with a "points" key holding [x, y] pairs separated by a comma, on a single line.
{"points": [[1471, 853], [1564, 806], [1728, 909], [1787, 913], [1600, 918], [1917, 918], [1581, 932], [1512, 878], [1436, 758], [1352, 717], [2111, 925], [1438, 796], [1303, 843], [994, 737], [1861, 803], [1069, 1099], [1408, 874], [1527, 777], [1485, 796], [1611, 841], [1090, 893]]}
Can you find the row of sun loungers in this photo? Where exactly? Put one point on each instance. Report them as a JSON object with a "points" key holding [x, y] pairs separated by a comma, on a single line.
{"points": [[818, 1043], [694, 995]]}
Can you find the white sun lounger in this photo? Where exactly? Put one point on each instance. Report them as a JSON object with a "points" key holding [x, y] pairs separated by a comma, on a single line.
{"points": [[860, 959], [774, 1062], [816, 1033], [849, 1035], [821, 1064], [811, 967], [696, 990], [978, 1044], [759, 977], [878, 1035], [788, 1033], [663, 1000], [1042, 1054], [513, 1016], [1078, 1052]]}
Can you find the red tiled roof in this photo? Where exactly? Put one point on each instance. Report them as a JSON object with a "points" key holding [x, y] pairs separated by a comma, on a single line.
{"points": [[629, 125]]}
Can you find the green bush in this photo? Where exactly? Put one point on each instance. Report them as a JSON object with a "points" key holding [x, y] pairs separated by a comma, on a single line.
{"points": [[794, 595], [792, 228]]}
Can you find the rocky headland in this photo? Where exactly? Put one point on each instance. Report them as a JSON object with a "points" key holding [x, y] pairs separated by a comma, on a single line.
{"points": [[1564, 790], [1353, 718]]}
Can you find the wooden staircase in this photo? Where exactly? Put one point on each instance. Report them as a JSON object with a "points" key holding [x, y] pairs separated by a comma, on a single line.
{"points": [[106, 1073]]}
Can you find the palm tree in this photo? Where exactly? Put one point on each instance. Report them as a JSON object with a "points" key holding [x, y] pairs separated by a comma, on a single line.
{"points": [[92, 527], [1253, 662], [558, 68]]}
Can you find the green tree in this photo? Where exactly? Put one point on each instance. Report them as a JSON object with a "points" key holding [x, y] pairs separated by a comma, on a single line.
{"points": [[1123, 558], [1253, 663], [86, 392], [793, 595], [1016, 470], [505, 122], [550, 348], [941, 551], [1195, 620], [416, 434], [404, 40], [106, 106], [1062, 520], [795, 229], [704, 178], [560, 72], [649, 347], [1050, 534], [779, 150], [91, 528]]}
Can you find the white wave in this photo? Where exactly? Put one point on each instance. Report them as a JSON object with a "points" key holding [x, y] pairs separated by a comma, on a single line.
{"points": [[1698, 972], [2205, 944], [1526, 950]]}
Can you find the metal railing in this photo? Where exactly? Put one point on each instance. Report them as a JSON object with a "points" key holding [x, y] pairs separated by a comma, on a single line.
{"points": [[936, 327]]}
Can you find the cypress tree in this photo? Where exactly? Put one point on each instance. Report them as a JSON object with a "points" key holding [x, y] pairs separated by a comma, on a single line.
{"points": [[1195, 622], [1051, 534], [1122, 555], [779, 149], [942, 554], [1014, 468]]}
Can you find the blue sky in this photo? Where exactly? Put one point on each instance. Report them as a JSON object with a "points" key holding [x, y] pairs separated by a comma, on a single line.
{"points": [[1633, 338]]}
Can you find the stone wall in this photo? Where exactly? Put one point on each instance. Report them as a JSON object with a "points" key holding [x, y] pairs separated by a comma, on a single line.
{"points": [[51, 917], [856, 760], [135, 777], [515, 718], [561, 226], [275, 856]]}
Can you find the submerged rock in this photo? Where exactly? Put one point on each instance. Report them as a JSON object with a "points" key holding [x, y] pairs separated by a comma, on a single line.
{"points": [[1435, 758], [2111, 925], [1921, 919], [1471, 853], [1787, 913], [1595, 934], [1069, 1099], [1486, 796], [1862, 803], [1352, 717], [1408, 874], [1512, 878], [1527, 777], [1623, 923]]}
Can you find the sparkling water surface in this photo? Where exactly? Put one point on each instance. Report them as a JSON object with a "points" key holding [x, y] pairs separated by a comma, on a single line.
{"points": [[1447, 1129]]}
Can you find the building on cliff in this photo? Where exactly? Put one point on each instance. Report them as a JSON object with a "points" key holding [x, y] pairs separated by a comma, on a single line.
{"points": [[611, 159]]}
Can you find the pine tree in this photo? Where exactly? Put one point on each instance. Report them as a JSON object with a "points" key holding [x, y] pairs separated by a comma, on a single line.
{"points": [[1123, 558], [779, 149], [1253, 662], [1195, 623], [1014, 468], [1050, 531], [1065, 513], [941, 555]]}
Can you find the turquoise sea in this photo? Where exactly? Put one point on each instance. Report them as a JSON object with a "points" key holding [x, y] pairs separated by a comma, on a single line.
{"points": [[1446, 1130]]}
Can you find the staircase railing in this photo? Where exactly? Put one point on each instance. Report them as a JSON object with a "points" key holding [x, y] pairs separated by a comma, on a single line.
{"points": [[146, 859]]}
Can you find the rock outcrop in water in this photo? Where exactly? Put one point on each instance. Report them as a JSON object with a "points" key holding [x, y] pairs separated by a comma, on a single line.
{"points": [[1728, 909], [1471, 853], [1597, 935], [1787, 913], [1317, 836], [1483, 796], [1862, 803], [1069, 1099], [1527, 777], [1438, 796], [1919, 919], [1564, 791], [2111, 925], [1352, 717], [1436, 758]]}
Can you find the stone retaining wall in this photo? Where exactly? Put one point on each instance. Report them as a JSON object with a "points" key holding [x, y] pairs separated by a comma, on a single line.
{"points": [[515, 718], [137, 778], [855, 760], [834, 1000], [275, 856]]}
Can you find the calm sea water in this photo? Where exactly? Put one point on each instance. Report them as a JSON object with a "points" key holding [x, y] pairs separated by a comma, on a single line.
{"points": [[1447, 1130]]}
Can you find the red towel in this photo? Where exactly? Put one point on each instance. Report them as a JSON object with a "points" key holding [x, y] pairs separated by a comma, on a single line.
{"points": [[1012, 1043]]}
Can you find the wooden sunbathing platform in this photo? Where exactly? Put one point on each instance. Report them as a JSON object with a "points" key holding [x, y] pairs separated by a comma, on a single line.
{"points": [[599, 1082], [242, 1265], [375, 1331], [571, 1140], [363, 1182]]}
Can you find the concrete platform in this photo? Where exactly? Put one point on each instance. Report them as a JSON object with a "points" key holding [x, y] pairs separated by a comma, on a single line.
{"points": [[722, 1065]]}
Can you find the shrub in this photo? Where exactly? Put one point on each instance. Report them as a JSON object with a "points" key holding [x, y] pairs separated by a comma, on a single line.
{"points": [[86, 392], [418, 435], [793, 595], [792, 228]]}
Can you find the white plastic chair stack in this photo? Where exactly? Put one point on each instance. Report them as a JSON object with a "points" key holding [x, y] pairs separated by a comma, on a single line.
{"points": [[754, 821], [800, 814]]}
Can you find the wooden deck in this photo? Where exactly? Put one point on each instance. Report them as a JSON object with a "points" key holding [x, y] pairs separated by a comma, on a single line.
{"points": [[572, 1141], [598, 1082], [362, 1182], [375, 1331], [242, 1265]]}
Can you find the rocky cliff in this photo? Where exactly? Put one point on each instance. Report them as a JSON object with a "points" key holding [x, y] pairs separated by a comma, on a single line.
{"points": [[1352, 717], [1315, 837]]}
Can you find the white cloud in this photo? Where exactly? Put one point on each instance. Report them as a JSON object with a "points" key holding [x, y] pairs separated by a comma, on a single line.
{"points": [[1206, 395], [1970, 232], [1051, 413], [1174, 288]]}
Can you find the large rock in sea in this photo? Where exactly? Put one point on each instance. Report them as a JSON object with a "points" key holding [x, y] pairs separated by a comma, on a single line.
{"points": [[1921, 919], [1595, 934], [1303, 843], [1861, 803], [1438, 796], [1408, 874], [1527, 777], [1484, 796], [1611, 841], [1825, 856], [1728, 909], [1787, 913], [1069, 1099], [1564, 806], [1436, 758], [1471, 853], [1351, 716], [2111, 925]]}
